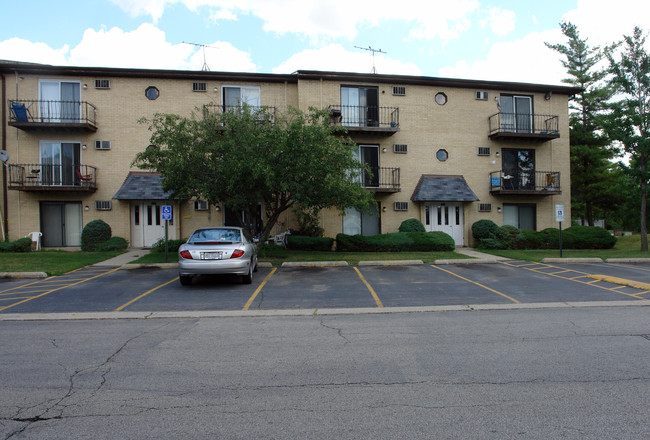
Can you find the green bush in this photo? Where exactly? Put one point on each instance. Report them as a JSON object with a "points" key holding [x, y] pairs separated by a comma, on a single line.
{"points": [[484, 229], [493, 243], [305, 243], [587, 237], [396, 242], [172, 245], [20, 245], [269, 249], [510, 237], [412, 225], [112, 244], [575, 237], [95, 232]]}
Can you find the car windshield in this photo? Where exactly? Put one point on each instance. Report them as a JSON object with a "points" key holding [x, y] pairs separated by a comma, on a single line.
{"points": [[203, 235]]}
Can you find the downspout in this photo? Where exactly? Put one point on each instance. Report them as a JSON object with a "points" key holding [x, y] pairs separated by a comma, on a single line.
{"points": [[5, 220]]}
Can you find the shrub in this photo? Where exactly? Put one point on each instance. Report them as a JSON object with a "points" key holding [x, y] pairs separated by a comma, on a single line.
{"points": [[20, 245], [396, 242], [493, 243], [269, 249], [510, 236], [305, 243], [112, 244], [587, 237], [484, 229], [308, 222], [172, 245], [412, 225], [95, 232]]}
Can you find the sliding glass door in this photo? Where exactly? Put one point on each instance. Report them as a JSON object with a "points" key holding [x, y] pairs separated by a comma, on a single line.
{"points": [[59, 163]]}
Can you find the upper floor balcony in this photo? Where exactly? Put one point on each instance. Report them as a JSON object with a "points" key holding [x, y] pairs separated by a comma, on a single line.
{"points": [[523, 126], [366, 119], [41, 115], [381, 179], [51, 177], [525, 182]]}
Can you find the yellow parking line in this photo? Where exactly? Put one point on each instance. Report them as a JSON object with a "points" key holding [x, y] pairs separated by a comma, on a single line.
{"points": [[258, 290], [58, 288], [478, 284], [372, 291], [144, 294]]}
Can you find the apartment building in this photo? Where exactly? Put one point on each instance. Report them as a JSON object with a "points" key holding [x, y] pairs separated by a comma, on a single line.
{"points": [[445, 151]]}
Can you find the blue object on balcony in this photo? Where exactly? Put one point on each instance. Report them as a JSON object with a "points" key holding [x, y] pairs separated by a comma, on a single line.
{"points": [[495, 181], [20, 112]]}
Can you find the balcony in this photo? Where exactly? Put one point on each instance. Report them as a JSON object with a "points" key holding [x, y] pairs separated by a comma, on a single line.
{"points": [[43, 177], [260, 112], [366, 119], [381, 179], [511, 182], [36, 115], [517, 126]]}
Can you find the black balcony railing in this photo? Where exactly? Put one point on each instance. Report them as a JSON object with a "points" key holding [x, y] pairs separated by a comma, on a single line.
{"points": [[366, 118], [50, 177], [518, 126], [260, 111], [38, 114], [525, 182], [381, 179]]}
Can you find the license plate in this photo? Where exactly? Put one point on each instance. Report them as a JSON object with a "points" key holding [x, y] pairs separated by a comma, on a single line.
{"points": [[211, 255]]}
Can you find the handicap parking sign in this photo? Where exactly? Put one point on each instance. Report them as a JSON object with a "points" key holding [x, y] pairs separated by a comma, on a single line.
{"points": [[166, 212]]}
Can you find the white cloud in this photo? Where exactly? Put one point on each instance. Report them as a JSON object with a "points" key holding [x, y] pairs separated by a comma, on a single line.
{"points": [[154, 8], [17, 49], [525, 60], [501, 21], [335, 58]]}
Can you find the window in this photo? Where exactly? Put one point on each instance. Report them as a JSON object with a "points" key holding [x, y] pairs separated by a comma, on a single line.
{"points": [[521, 216], [152, 93], [516, 113], [360, 106], [60, 101], [441, 98], [102, 83], [357, 223], [60, 163], [442, 155], [369, 155], [236, 96]]}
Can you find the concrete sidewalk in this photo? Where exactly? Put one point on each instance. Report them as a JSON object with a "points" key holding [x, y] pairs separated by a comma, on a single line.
{"points": [[470, 252], [125, 258]]}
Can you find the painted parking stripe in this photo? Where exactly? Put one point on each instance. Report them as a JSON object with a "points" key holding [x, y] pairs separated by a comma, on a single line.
{"points": [[57, 288], [372, 291], [120, 308], [478, 284], [259, 289]]}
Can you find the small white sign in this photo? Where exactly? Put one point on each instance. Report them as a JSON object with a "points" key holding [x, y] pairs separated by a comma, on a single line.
{"points": [[166, 212], [559, 213]]}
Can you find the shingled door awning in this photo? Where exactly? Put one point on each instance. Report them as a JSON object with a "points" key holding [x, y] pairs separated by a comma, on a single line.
{"points": [[435, 188], [142, 186]]}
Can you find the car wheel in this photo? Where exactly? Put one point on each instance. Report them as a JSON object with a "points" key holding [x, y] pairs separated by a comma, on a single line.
{"points": [[248, 279], [186, 280], [255, 270]]}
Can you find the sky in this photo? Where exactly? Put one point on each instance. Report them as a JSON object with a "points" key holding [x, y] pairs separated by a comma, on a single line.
{"points": [[501, 40]]}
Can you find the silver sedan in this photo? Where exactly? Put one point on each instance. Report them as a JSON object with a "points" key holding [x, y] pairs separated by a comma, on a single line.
{"points": [[217, 250]]}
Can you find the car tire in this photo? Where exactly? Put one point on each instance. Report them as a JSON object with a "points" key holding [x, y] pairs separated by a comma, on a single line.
{"points": [[255, 270], [186, 280], [248, 279]]}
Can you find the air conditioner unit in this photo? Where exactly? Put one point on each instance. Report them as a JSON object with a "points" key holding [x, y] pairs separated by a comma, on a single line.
{"points": [[399, 90], [201, 205], [400, 148], [199, 87], [103, 205], [401, 206], [482, 96], [485, 207], [102, 145], [483, 151], [102, 83]]}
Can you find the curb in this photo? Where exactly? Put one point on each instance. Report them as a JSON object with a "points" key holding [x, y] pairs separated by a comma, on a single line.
{"points": [[621, 281], [23, 275], [627, 260], [467, 261], [391, 263]]}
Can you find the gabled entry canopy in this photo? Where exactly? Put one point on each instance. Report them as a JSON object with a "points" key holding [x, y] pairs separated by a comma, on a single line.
{"points": [[142, 186], [435, 188]]}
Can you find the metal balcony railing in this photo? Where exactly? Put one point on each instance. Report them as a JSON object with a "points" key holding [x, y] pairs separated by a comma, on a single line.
{"points": [[517, 125], [381, 179], [50, 177], [525, 182], [371, 118], [38, 114], [266, 111]]}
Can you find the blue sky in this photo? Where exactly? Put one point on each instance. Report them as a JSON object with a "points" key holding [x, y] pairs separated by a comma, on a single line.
{"points": [[477, 39]]}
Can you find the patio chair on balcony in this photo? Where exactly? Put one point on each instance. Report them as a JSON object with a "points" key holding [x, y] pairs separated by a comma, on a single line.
{"points": [[21, 113], [83, 177]]}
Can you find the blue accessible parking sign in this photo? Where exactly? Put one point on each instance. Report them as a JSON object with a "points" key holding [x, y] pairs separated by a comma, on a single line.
{"points": [[166, 212]]}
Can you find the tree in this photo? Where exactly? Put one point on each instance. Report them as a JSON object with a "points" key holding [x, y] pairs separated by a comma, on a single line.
{"points": [[591, 174], [246, 156], [628, 121]]}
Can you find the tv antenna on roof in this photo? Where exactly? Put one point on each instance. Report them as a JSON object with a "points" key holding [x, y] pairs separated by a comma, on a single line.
{"points": [[205, 67], [370, 49]]}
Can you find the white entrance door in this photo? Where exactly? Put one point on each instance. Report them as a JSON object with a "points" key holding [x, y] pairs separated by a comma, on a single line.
{"points": [[445, 217], [147, 226]]}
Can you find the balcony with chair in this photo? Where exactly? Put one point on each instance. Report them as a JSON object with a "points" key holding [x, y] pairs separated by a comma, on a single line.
{"points": [[366, 119], [39, 115], [518, 182], [381, 179], [49, 177], [522, 126]]}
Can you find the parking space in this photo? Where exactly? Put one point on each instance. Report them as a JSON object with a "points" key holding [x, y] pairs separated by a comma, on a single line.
{"points": [[106, 289]]}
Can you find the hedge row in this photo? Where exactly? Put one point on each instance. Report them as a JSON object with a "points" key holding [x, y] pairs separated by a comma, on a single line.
{"points": [[20, 245], [491, 236], [305, 243], [396, 242]]}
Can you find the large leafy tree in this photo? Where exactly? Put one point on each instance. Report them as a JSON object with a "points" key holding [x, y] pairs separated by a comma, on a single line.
{"points": [[628, 121], [243, 157], [591, 174]]}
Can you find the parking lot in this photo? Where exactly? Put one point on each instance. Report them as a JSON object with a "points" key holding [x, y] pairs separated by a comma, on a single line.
{"points": [[112, 289]]}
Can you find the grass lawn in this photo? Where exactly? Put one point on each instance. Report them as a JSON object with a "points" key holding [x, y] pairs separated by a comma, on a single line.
{"points": [[626, 247], [52, 262]]}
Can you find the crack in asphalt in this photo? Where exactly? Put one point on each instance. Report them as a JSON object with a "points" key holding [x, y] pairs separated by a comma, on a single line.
{"points": [[338, 330]]}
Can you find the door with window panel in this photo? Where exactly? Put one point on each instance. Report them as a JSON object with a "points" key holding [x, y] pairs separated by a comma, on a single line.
{"points": [[516, 114], [147, 224], [447, 218]]}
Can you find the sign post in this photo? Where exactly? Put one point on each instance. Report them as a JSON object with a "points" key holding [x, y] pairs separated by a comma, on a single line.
{"points": [[166, 214], [559, 217]]}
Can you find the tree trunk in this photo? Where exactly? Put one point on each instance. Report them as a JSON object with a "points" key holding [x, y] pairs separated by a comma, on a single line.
{"points": [[589, 213], [644, 190]]}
